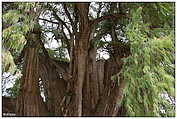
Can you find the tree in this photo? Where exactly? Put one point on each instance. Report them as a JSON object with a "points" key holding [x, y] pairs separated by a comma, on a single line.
{"points": [[74, 81]]}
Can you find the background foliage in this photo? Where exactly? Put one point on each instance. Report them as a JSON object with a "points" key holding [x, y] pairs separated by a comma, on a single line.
{"points": [[149, 70]]}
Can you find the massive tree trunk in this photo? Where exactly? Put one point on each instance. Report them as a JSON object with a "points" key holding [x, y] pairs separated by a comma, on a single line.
{"points": [[75, 107], [90, 90], [81, 88], [29, 101]]}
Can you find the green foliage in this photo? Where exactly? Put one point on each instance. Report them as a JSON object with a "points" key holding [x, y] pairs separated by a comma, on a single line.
{"points": [[149, 71], [13, 41], [13, 35], [16, 24], [26, 6], [8, 64], [12, 17]]}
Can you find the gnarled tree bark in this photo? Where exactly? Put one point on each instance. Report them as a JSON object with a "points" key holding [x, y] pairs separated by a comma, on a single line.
{"points": [[29, 101]]}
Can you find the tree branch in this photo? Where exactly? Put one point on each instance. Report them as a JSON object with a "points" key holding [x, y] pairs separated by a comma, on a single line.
{"points": [[49, 21], [107, 17], [66, 40], [61, 21], [68, 14]]}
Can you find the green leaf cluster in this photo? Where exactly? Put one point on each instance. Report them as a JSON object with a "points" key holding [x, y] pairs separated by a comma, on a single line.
{"points": [[149, 70], [16, 24], [8, 64]]}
